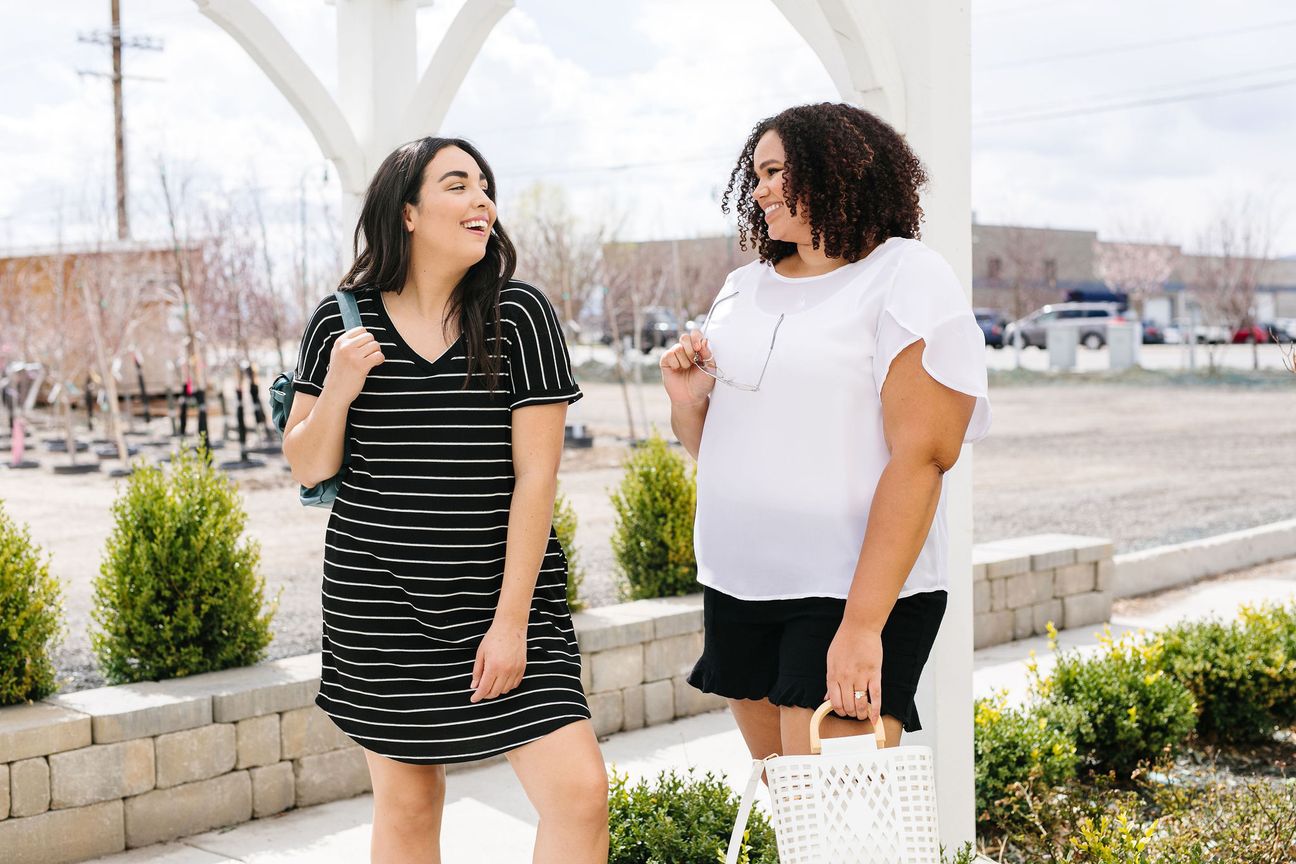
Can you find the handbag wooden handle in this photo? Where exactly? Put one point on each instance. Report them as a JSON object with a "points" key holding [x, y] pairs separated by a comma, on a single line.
{"points": [[820, 713]]}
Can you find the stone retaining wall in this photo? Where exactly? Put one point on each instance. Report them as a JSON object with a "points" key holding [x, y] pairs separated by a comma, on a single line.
{"points": [[98, 771], [1020, 585]]}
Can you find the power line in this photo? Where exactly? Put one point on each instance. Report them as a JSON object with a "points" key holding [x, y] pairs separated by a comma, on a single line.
{"points": [[1138, 103], [1138, 46], [1105, 98]]}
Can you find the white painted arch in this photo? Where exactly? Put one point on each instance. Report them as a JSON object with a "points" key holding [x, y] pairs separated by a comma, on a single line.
{"points": [[907, 61]]}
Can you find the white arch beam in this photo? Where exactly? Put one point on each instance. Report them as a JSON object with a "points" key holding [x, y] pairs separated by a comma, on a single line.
{"points": [[284, 67], [449, 65], [851, 40]]}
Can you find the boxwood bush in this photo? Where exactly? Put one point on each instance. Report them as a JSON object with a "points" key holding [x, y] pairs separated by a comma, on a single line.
{"points": [[1125, 711], [178, 591], [564, 523], [1022, 754], [652, 539], [31, 616]]}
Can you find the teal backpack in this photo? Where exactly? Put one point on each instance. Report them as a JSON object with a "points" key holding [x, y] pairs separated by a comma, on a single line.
{"points": [[281, 399]]}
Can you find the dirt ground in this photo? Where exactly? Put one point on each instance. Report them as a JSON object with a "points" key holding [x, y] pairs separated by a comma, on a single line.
{"points": [[1144, 465]]}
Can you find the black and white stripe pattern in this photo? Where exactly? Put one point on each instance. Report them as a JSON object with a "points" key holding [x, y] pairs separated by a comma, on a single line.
{"points": [[415, 547]]}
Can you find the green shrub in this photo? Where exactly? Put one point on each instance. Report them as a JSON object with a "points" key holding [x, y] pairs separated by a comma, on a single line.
{"points": [[1125, 710], [1241, 674], [564, 523], [31, 615], [652, 540], [177, 593], [679, 819], [1021, 754]]}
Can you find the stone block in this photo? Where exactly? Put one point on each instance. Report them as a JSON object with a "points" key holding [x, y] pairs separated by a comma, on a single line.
{"points": [[981, 596], [274, 789], [1104, 574], [195, 754], [64, 836], [607, 710], [1021, 590], [998, 595], [308, 732], [1076, 579], [672, 656], [331, 776], [29, 787], [617, 668], [1082, 610], [254, 691], [980, 571], [1050, 610], [101, 772], [39, 728], [257, 739], [992, 628], [1023, 622], [690, 701], [632, 707], [4, 792], [1043, 581], [587, 676], [612, 627], [1001, 559], [659, 702], [138, 710], [166, 814], [1093, 549]]}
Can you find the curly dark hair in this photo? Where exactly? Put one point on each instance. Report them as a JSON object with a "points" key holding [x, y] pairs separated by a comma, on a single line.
{"points": [[853, 173]]}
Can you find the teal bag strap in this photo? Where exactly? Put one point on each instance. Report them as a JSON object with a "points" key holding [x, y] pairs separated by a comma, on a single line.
{"points": [[350, 311]]}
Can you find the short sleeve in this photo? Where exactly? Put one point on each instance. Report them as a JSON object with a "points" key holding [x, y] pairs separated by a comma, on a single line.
{"points": [[539, 366], [322, 330], [927, 302]]}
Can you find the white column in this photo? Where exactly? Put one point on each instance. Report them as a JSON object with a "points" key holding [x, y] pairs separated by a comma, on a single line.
{"points": [[933, 41]]}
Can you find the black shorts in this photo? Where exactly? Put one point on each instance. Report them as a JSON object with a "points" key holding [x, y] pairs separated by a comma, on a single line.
{"points": [[778, 649]]}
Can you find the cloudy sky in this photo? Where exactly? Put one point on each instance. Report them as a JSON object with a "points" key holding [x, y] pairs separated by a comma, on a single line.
{"points": [[1137, 118]]}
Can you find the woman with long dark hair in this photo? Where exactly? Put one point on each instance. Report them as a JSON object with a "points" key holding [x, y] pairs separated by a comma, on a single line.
{"points": [[447, 636], [830, 389]]}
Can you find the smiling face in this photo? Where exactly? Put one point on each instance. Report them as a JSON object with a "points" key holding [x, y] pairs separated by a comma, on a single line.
{"points": [[453, 215], [769, 166]]}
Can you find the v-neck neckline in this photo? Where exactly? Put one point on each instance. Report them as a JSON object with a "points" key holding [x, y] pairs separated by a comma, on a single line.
{"points": [[409, 349]]}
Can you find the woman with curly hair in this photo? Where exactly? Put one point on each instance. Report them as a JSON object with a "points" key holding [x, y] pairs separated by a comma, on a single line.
{"points": [[830, 389]]}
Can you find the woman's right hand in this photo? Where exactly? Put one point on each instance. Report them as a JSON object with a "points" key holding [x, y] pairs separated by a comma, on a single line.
{"points": [[354, 354], [686, 384]]}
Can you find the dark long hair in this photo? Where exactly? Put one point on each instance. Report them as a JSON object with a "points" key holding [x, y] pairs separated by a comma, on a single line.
{"points": [[855, 174], [383, 262]]}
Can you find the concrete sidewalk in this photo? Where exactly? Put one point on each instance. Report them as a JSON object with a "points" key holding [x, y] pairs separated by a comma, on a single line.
{"points": [[488, 819]]}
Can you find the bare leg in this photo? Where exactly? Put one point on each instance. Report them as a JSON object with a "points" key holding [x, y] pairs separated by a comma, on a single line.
{"points": [[408, 802], [795, 728], [564, 777], [758, 721]]}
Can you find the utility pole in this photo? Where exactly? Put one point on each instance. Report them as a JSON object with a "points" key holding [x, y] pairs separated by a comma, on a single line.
{"points": [[113, 39]]}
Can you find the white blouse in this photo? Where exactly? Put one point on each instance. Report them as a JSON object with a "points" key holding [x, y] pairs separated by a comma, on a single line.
{"points": [[786, 474]]}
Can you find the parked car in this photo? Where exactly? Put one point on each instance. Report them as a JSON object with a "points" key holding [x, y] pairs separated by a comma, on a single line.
{"points": [[1153, 334], [1091, 319], [658, 327], [993, 323], [1247, 335], [1281, 330]]}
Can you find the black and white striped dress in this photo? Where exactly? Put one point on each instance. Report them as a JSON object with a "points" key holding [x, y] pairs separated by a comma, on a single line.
{"points": [[414, 552]]}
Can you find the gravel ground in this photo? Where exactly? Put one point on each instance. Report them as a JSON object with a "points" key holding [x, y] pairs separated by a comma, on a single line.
{"points": [[1132, 459]]}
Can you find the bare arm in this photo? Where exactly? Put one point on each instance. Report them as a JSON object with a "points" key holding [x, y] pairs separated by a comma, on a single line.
{"points": [[537, 450], [313, 435], [924, 423]]}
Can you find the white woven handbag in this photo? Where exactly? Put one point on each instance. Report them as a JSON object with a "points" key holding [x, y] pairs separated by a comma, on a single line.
{"points": [[851, 802]]}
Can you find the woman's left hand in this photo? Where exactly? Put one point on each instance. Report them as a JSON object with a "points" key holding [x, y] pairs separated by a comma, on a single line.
{"points": [[855, 665], [501, 661]]}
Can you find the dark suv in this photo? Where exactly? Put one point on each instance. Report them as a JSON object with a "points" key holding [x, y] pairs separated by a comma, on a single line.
{"points": [[993, 323]]}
